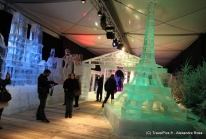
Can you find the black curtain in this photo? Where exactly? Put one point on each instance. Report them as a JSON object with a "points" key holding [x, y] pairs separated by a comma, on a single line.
{"points": [[60, 45], [76, 49], [5, 24], [195, 54], [50, 42]]}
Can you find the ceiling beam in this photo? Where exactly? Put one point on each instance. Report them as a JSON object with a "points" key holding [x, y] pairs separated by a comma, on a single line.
{"points": [[110, 6], [83, 34], [38, 1]]}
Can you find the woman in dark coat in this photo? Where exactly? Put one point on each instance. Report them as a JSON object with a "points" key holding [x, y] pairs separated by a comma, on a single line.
{"points": [[3, 83], [71, 85]]}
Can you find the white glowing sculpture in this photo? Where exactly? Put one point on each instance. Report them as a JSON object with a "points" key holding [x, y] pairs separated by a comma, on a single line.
{"points": [[52, 61], [68, 64], [23, 55]]}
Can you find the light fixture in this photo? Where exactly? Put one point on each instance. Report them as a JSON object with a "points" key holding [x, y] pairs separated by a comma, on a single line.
{"points": [[109, 29], [120, 46], [114, 43], [99, 13], [83, 1], [107, 22], [110, 35]]}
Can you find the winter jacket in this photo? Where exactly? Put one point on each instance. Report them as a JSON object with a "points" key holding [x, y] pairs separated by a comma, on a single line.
{"points": [[110, 85], [100, 83], [43, 84], [70, 86]]}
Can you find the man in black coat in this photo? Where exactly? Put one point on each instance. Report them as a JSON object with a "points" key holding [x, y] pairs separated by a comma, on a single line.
{"points": [[43, 91], [110, 88]]}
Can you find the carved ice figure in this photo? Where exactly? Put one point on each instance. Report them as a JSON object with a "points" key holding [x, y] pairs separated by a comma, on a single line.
{"points": [[52, 64], [52, 61], [42, 66], [2, 54], [1, 39], [77, 60], [68, 64]]}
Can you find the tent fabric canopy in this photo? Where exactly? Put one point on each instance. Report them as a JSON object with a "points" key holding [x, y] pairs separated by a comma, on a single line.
{"points": [[177, 23]]}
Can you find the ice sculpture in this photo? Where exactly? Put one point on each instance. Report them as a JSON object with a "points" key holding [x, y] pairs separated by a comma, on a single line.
{"points": [[52, 61], [1, 39], [23, 55], [2, 53], [53, 65], [145, 95], [145, 104], [68, 64]]}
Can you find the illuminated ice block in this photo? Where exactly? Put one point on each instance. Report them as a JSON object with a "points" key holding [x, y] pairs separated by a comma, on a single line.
{"points": [[22, 55], [145, 95], [145, 102]]}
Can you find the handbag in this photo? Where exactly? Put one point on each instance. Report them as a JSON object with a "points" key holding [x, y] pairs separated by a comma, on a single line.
{"points": [[77, 92], [5, 96]]}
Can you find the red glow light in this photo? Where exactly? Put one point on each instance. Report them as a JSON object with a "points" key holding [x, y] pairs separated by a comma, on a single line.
{"points": [[84, 14]]}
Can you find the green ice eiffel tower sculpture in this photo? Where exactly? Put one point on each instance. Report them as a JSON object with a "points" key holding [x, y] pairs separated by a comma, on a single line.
{"points": [[145, 96]]}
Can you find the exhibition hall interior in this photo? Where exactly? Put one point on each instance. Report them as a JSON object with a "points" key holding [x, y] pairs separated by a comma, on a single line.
{"points": [[102, 69]]}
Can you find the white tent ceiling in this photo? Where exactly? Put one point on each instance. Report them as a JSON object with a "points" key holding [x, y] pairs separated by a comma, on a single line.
{"points": [[178, 23]]}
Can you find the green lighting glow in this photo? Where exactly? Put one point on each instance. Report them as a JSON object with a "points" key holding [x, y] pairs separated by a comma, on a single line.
{"points": [[145, 96]]}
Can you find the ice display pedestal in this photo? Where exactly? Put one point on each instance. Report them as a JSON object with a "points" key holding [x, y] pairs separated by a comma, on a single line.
{"points": [[159, 126], [26, 98]]}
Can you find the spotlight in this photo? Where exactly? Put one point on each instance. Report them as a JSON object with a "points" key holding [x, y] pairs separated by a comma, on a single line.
{"points": [[99, 13], [83, 1], [114, 43], [120, 46], [109, 29], [110, 35]]}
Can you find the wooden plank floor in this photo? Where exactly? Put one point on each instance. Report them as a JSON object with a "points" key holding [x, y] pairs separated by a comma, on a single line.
{"points": [[88, 122]]}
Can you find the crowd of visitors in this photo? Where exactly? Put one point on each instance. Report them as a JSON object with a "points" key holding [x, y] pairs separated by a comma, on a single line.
{"points": [[71, 88]]}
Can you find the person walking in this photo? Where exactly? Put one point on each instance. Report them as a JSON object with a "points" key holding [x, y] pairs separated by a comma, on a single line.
{"points": [[71, 85], [43, 86], [110, 88], [99, 89], [3, 84]]}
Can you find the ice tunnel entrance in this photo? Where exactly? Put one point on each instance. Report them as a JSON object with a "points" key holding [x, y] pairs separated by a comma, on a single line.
{"points": [[119, 77]]}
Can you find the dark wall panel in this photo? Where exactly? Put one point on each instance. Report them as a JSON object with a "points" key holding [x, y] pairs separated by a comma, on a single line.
{"points": [[5, 24], [195, 53], [60, 45], [76, 49], [51, 42]]}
